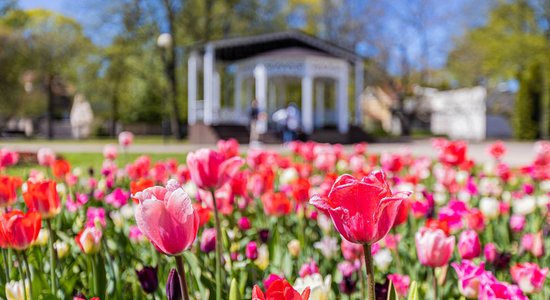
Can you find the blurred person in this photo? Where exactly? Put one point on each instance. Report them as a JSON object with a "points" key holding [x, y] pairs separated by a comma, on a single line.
{"points": [[81, 117], [254, 116], [292, 123]]}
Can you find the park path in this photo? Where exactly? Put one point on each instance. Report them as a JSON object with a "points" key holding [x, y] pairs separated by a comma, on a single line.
{"points": [[518, 154]]}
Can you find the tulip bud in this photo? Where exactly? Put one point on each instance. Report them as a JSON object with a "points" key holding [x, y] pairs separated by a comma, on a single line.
{"points": [[43, 237], [490, 252], [244, 223], [252, 251], [173, 288], [89, 240], [208, 240], [517, 223], [14, 289], [147, 277], [489, 207], [270, 279], [469, 245], [264, 235], [61, 248], [294, 248]]}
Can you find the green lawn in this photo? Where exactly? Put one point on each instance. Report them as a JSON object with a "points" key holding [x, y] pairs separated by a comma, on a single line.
{"points": [[140, 140], [87, 160]]}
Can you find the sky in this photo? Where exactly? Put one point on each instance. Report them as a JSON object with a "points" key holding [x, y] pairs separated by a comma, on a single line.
{"points": [[441, 35]]}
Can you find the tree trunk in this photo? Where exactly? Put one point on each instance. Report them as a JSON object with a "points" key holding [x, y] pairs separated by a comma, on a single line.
{"points": [[49, 115], [171, 63]]}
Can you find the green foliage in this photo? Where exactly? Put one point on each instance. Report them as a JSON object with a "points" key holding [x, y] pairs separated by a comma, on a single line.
{"points": [[511, 40], [526, 113]]}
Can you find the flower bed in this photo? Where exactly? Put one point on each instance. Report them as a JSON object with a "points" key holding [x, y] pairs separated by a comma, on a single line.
{"points": [[265, 225]]}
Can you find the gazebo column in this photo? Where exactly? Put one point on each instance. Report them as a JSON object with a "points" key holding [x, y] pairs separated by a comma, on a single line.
{"points": [[192, 63], [342, 100], [216, 100], [359, 86], [260, 76], [307, 104], [238, 101], [272, 98], [208, 84], [319, 104], [248, 94]]}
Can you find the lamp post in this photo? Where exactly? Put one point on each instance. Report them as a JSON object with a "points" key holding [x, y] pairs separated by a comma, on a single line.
{"points": [[165, 43]]}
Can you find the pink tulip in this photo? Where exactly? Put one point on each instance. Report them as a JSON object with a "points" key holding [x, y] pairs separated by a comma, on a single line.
{"points": [[433, 247], [251, 250], [229, 148], [495, 290], [497, 149], [210, 170], [117, 198], [167, 218], [529, 276], [95, 215], [469, 277], [401, 283], [533, 243], [469, 245], [351, 251], [45, 157], [208, 240], [89, 240], [125, 138], [517, 223], [110, 152], [490, 252], [363, 211], [8, 158], [135, 234], [308, 268]]}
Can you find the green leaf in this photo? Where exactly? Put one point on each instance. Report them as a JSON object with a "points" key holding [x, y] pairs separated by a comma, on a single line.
{"points": [[392, 292], [413, 291], [234, 293]]}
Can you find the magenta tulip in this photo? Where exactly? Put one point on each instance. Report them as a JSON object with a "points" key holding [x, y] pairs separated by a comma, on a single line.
{"points": [[210, 170], [529, 277], [469, 245]]}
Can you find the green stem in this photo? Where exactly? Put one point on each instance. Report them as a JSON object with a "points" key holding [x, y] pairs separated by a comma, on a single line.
{"points": [[369, 267], [181, 273], [26, 260], [95, 280], [5, 254], [53, 258], [218, 249], [434, 283], [21, 276]]}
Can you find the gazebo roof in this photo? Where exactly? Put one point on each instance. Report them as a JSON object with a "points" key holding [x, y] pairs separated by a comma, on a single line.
{"points": [[234, 49]]}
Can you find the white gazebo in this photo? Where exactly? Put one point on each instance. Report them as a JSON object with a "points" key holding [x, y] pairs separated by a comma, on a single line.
{"points": [[262, 67]]}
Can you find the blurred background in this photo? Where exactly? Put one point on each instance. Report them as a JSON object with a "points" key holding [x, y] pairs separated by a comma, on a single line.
{"points": [[474, 69]]}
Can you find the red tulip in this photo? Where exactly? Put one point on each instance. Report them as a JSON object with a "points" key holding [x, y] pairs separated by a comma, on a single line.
{"points": [[453, 153], [140, 185], [279, 290], [167, 218], [43, 198], [363, 211], [497, 149], [300, 190], [402, 213], [276, 204], [210, 170], [19, 230], [60, 168], [8, 189], [229, 148]]}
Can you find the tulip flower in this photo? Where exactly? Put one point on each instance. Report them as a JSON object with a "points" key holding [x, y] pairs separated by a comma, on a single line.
{"points": [[110, 152], [17, 290], [208, 240], [497, 149], [173, 286], [45, 156], [43, 198], [469, 277], [251, 250], [363, 211], [401, 283], [319, 287], [279, 289], [276, 204], [8, 190], [89, 240], [148, 279], [434, 249], [60, 168], [125, 138], [210, 170], [19, 230], [166, 217], [469, 245], [529, 276]]}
